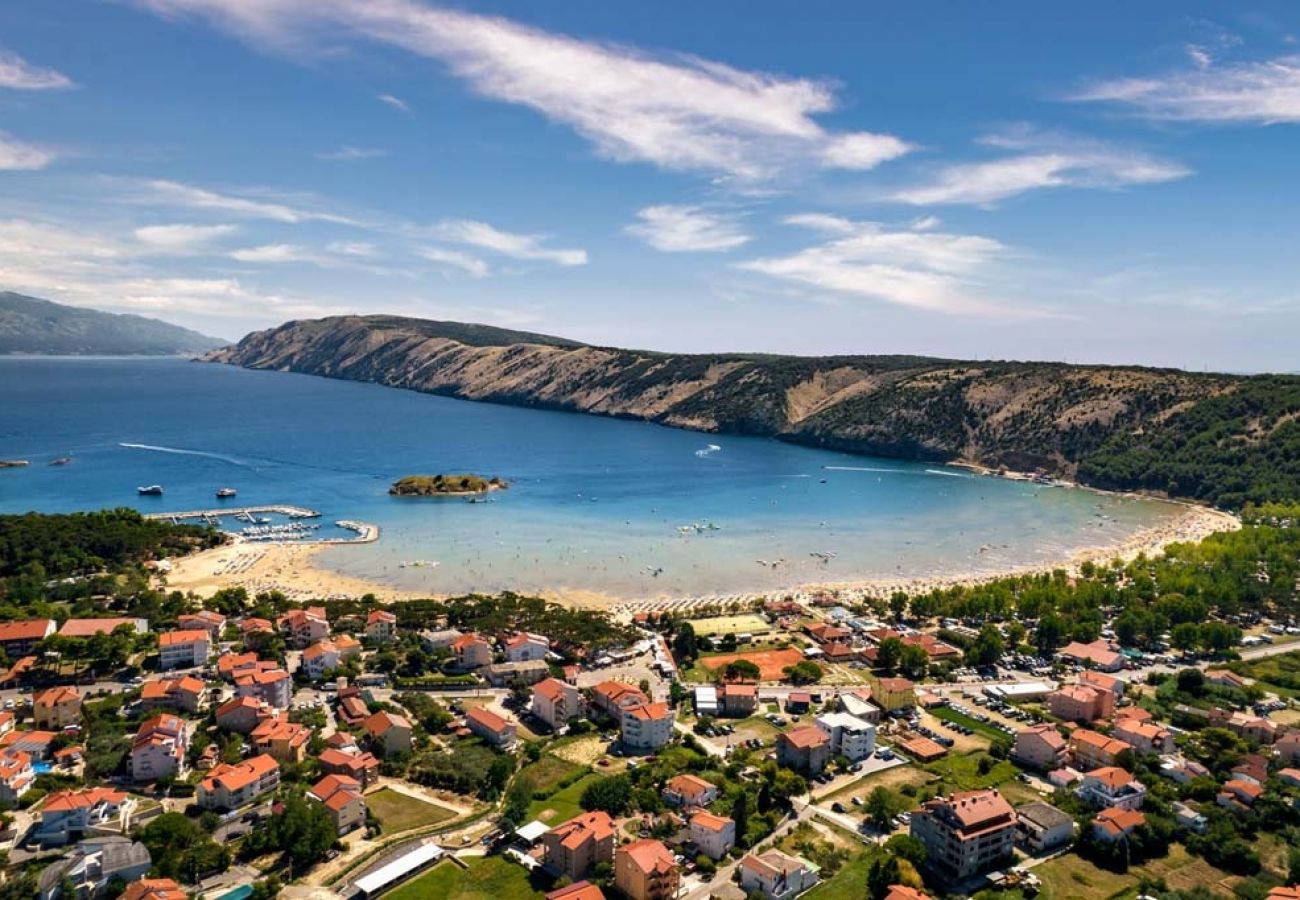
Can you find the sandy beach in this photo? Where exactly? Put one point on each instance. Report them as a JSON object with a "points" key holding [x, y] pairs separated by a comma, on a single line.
{"points": [[293, 569]]}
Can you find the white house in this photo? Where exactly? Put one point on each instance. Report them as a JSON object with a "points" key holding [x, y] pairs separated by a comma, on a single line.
{"points": [[527, 647], [184, 649], [776, 875], [850, 737], [1112, 786], [556, 702], [713, 835]]}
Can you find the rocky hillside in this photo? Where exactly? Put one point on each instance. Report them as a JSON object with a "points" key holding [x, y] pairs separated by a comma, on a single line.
{"points": [[1221, 438], [29, 325]]}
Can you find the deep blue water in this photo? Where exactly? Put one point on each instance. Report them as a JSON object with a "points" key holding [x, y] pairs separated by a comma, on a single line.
{"points": [[594, 504]]}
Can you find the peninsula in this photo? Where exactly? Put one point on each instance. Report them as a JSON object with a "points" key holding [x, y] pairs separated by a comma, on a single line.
{"points": [[445, 485]]}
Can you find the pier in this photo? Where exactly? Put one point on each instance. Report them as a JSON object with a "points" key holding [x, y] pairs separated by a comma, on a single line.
{"points": [[365, 532], [292, 512]]}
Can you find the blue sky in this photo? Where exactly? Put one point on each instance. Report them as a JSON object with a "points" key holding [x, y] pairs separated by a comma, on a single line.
{"points": [[1112, 183]]}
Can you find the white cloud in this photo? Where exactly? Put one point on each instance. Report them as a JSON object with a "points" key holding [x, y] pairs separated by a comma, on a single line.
{"points": [[20, 75], [455, 259], [353, 248], [273, 253], [517, 246], [1041, 160], [675, 111], [181, 237], [396, 103], [1263, 92], [173, 193], [16, 155], [348, 153], [930, 270], [687, 229]]}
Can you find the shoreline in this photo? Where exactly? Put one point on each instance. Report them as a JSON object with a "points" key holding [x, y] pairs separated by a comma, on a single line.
{"points": [[292, 568]]}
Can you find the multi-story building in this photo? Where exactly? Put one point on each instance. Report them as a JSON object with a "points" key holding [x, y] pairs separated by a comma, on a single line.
{"points": [[341, 797], [966, 833], [274, 687], [304, 627], [1112, 786], [647, 727], [776, 875], [153, 889], [390, 732], [525, 647], [713, 835], [185, 693], [689, 791], [381, 626], [212, 622], [242, 714], [1090, 750], [470, 652], [556, 702], [612, 697], [231, 786], [87, 628], [1042, 827], [67, 816], [20, 638], [92, 866], [496, 730], [805, 749], [858, 704], [1117, 823], [281, 739], [350, 761], [159, 748], [16, 776], [850, 737], [1097, 655], [1146, 737], [319, 658], [56, 707], [1080, 703], [184, 649], [892, 694], [738, 700], [645, 870], [1040, 747], [575, 847]]}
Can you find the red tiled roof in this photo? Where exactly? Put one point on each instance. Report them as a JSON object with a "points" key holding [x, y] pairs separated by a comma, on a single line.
{"points": [[650, 856], [186, 636], [806, 736], [30, 630]]}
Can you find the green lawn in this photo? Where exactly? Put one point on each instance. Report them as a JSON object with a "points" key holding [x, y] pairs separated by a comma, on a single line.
{"points": [[489, 878], [975, 725], [563, 804], [849, 883], [549, 772], [398, 812], [961, 773]]}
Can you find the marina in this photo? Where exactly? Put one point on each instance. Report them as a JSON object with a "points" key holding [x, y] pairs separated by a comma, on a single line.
{"points": [[259, 527]]}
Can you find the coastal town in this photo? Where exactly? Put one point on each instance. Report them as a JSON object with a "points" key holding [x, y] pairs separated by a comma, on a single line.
{"points": [[815, 744]]}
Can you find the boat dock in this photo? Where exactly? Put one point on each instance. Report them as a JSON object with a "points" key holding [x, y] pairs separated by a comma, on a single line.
{"points": [[259, 531], [292, 512]]}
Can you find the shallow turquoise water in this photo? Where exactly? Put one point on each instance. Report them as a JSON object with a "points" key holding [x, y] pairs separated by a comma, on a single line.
{"points": [[595, 503]]}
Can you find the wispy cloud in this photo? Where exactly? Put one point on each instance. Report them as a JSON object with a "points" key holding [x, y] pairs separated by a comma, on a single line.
{"points": [[1040, 160], [674, 111], [182, 237], [173, 193], [455, 259], [926, 270], [16, 155], [20, 75], [351, 154], [687, 229], [506, 243], [1260, 92], [272, 253], [396, 103]]}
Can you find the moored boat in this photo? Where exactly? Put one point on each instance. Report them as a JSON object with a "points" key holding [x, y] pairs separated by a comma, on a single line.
{"points": [[223, 493], [153, 490]]}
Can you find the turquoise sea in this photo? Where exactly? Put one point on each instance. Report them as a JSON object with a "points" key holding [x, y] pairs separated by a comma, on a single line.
{"points": [[595, 504]]}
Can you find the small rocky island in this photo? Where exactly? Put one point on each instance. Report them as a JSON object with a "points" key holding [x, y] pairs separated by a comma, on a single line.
{"points": [[445, 485]]}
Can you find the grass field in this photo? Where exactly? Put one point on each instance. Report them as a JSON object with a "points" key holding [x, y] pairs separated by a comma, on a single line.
{"points": [[1069, 877], [893, 779], [743, 624], [980, 728], [491, 878], [961, 773], [549, 773], [563, 804], [849, 883], [398, 812]]}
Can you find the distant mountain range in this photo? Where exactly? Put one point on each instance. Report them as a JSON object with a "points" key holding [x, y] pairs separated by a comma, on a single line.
{"points": [[1225, 439], [29, 325]]}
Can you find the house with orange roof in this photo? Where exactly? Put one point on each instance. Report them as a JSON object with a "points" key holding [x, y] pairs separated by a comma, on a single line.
{"points": [[1146, 737], [579, 890], [214, 623], [689, 791], [1102, 682], [381, 626], [892, 694], [272, 686], [714, 836], [56, 707], [86, 628], [557, 702], [281, 739], [1289, 776], [1227, 678], [1116, 823], [1091, 750], [525, 647], [496, 730], [1040, 747], [16, 776], [185, 693], [1080, 703], [646, 870], [776, 875], [1097, 655], [66, 816], [470, 652], [352, 710], [341, 797], [184, 649], [805, 749], [159, 748], [231, 665], [966, 833], [904, 892], [646, 728], [573, 848], [612, 697], [231, 786], [242, 714], [1238, 793], [738, 700], [20, 638], [1284, 893], [363, 767], [303, 627], [153, 889], [255, 630], [1136, 713], [388, 731], [1112, 786], [36, 743], [348, 646], [319, 658]]}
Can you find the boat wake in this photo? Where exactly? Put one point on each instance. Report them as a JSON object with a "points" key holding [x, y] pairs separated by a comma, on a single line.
{"points": [[947, 474], [895, 471], [180, 451], [708, 451]]}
